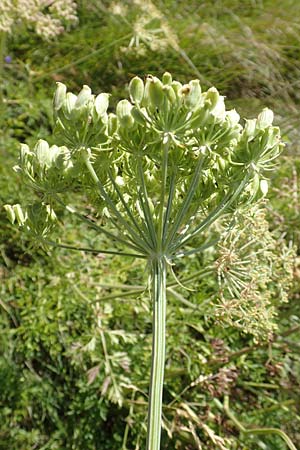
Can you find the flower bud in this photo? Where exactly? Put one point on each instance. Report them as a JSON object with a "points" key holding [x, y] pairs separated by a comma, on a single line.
{"points": [[219, 111], [155, 90], [250, 127], [69, 104], [51, 214], [59, 96], [177, 88], [265, 119], [212, 97], [83, 96], [123, 111], [171, 96], [167, 78], [193, 95], [136, 90], [10, 213], [101, 104], [112, 124], [264, 187], [20, 216], [24, 152], [42, 153], [232, 117]]}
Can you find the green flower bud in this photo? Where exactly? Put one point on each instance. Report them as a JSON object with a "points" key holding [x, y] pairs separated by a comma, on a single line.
{"points": [[250, 127], [212, 97], [219, 111], [167, 78], [177, 88], [123, 111], [59, 96], [232, 117], [192, 94], [24, 152], [42, 153], [10, 213], [265, 119], [171, 96], [112, 124], [136, 90], [101, 104], [20, 215], [51, 214], [155, 90], [83, 96], [69, 104]]}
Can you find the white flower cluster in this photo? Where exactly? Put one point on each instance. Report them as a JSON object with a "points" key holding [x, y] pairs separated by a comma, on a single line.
{"points": [[150, 27], [47, 17]]}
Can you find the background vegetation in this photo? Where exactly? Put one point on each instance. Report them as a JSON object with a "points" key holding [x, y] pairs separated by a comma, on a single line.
{"points": [[76, 329]]}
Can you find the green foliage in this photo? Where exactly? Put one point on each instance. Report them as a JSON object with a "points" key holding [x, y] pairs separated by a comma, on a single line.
{"points": [[250, 50]]}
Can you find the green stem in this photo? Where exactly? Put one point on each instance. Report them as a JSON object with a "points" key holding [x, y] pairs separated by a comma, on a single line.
{"points": [[215, 214], [143, 197], [158, 273], [132, 236], [93, 250], [169, 207], [250, 431], [140, 231], [185, 204], [92, 224], [164, 170]]}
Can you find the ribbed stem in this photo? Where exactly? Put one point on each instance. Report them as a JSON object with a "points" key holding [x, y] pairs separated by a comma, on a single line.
{"points": [[158, 274]]}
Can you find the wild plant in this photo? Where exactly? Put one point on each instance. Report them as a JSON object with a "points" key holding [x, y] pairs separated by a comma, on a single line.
{"points": [[156, 175]]}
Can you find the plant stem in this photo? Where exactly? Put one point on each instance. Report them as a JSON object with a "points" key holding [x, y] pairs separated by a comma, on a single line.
{"points": [[254, 431], [163, 192], [93, 250], [132, 236], [158, 274]]}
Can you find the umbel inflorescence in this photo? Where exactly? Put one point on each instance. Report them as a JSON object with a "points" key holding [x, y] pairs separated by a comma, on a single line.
{"points": [[47, 18], [159, 172], [165, 165]]}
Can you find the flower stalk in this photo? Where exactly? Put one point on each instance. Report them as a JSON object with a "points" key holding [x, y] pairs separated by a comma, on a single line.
{"points": [[159, 304]]}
